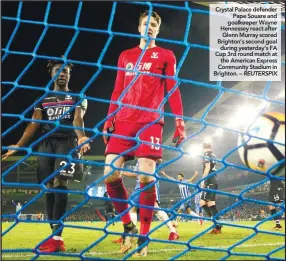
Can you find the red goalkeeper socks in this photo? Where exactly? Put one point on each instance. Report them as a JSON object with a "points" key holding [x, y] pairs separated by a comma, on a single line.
{"points": [[116, 189], [147, 198]]}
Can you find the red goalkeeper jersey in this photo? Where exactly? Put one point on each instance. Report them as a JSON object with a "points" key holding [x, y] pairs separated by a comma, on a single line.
{"points": [[144, 90]]}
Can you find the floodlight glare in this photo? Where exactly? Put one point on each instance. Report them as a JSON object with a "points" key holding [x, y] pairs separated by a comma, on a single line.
{"points": [[195, 150], [218, 132]]}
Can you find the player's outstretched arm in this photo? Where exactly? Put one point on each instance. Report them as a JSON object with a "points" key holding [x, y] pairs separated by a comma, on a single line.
{"points": [[193, 177], [28, 133], [175, 100], [78, 122], [163, 173], [118, 88]]}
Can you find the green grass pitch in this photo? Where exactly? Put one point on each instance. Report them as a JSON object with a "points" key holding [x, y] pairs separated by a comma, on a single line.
{"points": [[27, 235]]}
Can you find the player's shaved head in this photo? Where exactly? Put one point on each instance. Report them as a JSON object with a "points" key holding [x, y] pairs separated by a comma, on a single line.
{"points": [[207, 145], [153, 14]]}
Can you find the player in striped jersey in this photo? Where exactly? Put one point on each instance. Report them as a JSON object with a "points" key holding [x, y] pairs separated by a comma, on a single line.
{"points": [[185, 195], [160, 214], [197, 203]]}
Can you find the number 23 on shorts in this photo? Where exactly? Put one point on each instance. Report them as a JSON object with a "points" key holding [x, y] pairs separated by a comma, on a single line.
{"points": [[69, 170]]}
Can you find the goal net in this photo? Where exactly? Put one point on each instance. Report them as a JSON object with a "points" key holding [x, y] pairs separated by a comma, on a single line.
{"points": [[91, 36]]}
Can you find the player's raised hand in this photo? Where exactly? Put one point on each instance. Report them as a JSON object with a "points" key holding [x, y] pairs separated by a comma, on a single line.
{"points": [[85, 147], [180, 133], [108, 128], [196, 173], [10, 152]]}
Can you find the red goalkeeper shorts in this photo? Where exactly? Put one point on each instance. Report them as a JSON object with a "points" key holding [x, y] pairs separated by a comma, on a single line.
{"points": [[135, 148]]}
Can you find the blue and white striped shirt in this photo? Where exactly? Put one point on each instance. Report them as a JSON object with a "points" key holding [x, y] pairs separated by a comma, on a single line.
{"points": [[198, 198], [184, 191]]}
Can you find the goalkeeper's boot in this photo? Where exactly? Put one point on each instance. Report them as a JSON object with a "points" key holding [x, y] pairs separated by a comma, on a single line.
{"points": [[52, 245], [216, 231], [142, 248], [278, 227], [175, 224], [173, 236], [45, 244], [129, 229], [118, 241]]}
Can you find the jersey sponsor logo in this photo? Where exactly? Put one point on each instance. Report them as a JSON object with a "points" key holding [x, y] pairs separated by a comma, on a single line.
{"points": [[129, 66], [56, 113], [68, 97], [142, 67], [154, 55]]}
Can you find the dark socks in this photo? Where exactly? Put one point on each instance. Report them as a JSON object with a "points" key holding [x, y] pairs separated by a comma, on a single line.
{"points": [[214, 211], [60, 207], [277, 218], [207, 210], [50, 202]]}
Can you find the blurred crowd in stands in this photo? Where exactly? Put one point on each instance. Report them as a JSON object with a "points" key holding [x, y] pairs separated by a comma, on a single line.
{"points": [[231, 208]]}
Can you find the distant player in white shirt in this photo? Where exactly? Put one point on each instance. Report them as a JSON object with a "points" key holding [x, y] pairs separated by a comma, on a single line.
{"points": [[18, 208], [185, 194]]}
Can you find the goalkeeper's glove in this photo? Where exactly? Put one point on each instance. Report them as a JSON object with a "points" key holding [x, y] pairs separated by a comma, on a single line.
{"points": [[108, 128], [180, 133]]}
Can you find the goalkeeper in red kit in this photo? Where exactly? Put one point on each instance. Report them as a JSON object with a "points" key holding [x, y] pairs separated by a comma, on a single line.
{"points": [[144, 91]]}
